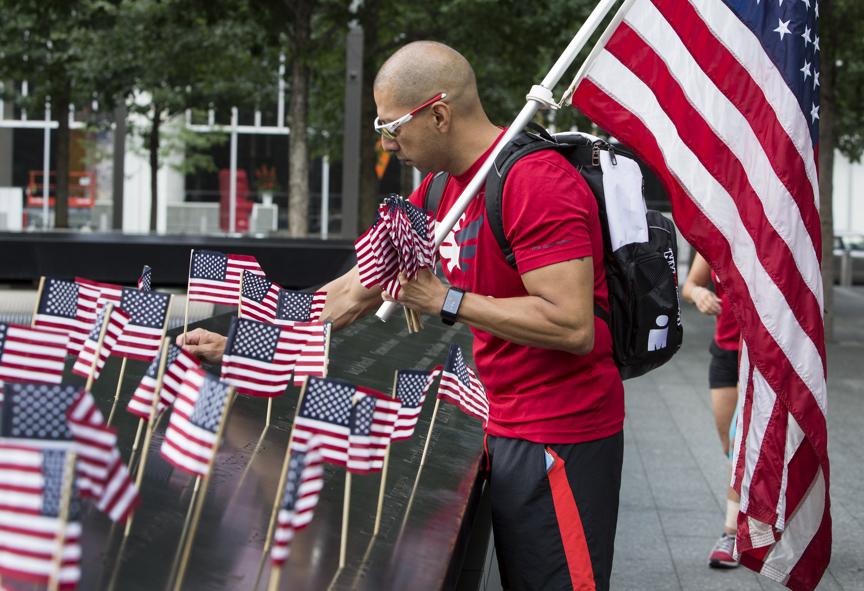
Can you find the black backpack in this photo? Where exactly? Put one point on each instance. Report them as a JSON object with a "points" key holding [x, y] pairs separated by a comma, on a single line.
{"points": [[644, 310]]}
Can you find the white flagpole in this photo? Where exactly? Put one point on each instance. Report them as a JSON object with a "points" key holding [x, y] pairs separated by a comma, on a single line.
{"points": [[540, 96]]}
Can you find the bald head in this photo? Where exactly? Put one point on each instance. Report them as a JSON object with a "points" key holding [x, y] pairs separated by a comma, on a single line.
{"points": [[422, 69]]}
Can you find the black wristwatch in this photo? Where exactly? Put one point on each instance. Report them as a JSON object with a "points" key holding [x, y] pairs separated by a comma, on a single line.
{"points": [[450, 309]]}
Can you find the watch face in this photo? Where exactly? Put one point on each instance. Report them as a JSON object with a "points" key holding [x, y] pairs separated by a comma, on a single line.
{"points": [[451, 302]]}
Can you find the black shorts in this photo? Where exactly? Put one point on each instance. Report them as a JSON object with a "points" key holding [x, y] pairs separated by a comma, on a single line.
{"points": [[723, 371], [555, 528]]}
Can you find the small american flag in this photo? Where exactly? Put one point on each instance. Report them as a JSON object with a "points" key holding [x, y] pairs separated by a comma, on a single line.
{"points": [[190, 440], [373, 418], [300, 306], [101, 471], [411, 388], [60, 308], [31, 486], [303, 483], [460, 385], [215, 277], [259, 357], [37, 412], [148, 317], [178, 362], [92, 295], [265, 301], [145, 281], [326, 412], [259, 298], [352, 435], [312, 358], [116, 323], [400, 240], [31, 355]]}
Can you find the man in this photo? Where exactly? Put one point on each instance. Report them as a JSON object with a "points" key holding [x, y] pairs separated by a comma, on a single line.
{"points": [[554, 435]]}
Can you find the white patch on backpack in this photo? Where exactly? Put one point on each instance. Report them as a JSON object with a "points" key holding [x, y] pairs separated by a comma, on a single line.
{"points": [[657, 336]]}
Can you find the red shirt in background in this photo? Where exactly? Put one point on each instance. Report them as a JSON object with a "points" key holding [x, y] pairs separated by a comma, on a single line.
{"points": [[726, 332], [550, 216]]}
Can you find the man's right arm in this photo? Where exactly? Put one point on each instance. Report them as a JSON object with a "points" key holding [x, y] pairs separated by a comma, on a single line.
{"points": [[347, 301]]}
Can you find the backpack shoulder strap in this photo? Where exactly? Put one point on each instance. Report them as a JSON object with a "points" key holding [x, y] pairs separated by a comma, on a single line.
{"points": [[435, 191], [532, 139]]}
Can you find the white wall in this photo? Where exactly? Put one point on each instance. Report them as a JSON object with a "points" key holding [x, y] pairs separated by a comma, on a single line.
{"points": [[848, 195]]}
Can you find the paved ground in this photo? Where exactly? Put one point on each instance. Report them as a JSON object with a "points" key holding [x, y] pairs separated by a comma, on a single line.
{"points": [[675, 477]]}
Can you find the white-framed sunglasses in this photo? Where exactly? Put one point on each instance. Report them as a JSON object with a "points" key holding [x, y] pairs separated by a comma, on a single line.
{"points": [[388, 130]]}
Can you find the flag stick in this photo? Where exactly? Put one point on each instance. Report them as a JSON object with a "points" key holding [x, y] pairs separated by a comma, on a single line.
{"points": [[186, 521], [535, 102], [137, 440], [429, 432], [154, 405], [117, 392], [65, 501], [275, 575], [38, 297], [346, 506], [92, 376], [187, 549], [384, 471], [186, 313]]}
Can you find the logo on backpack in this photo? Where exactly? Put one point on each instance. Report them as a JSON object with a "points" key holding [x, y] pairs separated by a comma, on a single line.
{"points": [[657, 336]]}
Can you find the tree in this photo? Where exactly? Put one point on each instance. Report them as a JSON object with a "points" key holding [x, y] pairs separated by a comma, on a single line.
{"points": [[173, 55], [841, 118], [41, 42]]}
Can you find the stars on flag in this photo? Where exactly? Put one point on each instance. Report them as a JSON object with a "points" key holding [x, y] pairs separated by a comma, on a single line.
{"points": [[783, 29]]}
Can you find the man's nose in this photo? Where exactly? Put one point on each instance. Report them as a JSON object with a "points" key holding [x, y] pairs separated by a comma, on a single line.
{"points": [[389, 145]]}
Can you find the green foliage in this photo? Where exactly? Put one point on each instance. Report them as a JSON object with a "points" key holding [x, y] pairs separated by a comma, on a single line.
{"points": [[842, 42]]}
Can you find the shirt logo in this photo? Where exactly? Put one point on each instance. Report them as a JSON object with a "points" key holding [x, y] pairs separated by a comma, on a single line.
{"points": [[460, 245]]}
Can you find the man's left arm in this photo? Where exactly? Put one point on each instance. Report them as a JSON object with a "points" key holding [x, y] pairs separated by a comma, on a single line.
{"points": [[557, 313]]}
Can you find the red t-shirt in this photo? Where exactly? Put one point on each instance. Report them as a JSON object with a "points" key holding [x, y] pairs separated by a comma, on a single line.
{"points": [[727, 335], [550, 216]]}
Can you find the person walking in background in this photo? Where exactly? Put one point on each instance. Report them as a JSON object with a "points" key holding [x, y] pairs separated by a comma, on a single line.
{"points": [[723, 384]]}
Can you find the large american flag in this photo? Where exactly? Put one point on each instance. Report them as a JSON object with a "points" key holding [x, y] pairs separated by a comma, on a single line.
{"points": [[215, 277], [259, 357], [721, 98], [148, 320], [178, 362], [266, 301], [116, 323], [411, 388], [31, 485], [31, 355], [101, 471], [461, 386], [61, 307], [303, 483], [312, 358], [400, 240], [190, 440]]}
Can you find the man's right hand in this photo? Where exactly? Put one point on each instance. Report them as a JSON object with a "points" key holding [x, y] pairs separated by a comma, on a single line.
{"points": [[203, 344]]}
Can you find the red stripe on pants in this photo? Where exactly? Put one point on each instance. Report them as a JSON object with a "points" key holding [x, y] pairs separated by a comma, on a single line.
{"points": [[570, 526]]}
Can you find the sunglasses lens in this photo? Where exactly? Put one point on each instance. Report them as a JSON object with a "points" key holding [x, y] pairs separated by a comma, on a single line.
{"points": [[387, 134]]}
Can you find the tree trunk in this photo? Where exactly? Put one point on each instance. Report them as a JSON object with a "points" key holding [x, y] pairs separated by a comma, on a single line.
{"points": [[154, 166], [369, 186], [119, 160], [61, 188], [827, 141], [298, 117]]}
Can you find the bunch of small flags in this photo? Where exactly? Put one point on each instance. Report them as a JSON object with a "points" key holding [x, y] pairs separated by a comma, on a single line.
{"points": [[401, 240]]}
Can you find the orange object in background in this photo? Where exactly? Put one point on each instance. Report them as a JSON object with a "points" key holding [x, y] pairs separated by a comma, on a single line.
{"points": [[82, 188], [243, 206], [383, 160]]}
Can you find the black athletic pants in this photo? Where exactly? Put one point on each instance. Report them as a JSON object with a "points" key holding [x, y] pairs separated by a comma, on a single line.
{"points": [[554, 511]]}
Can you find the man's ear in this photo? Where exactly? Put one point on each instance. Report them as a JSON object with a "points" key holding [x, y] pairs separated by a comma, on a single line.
{"points": [[441, 114]]}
